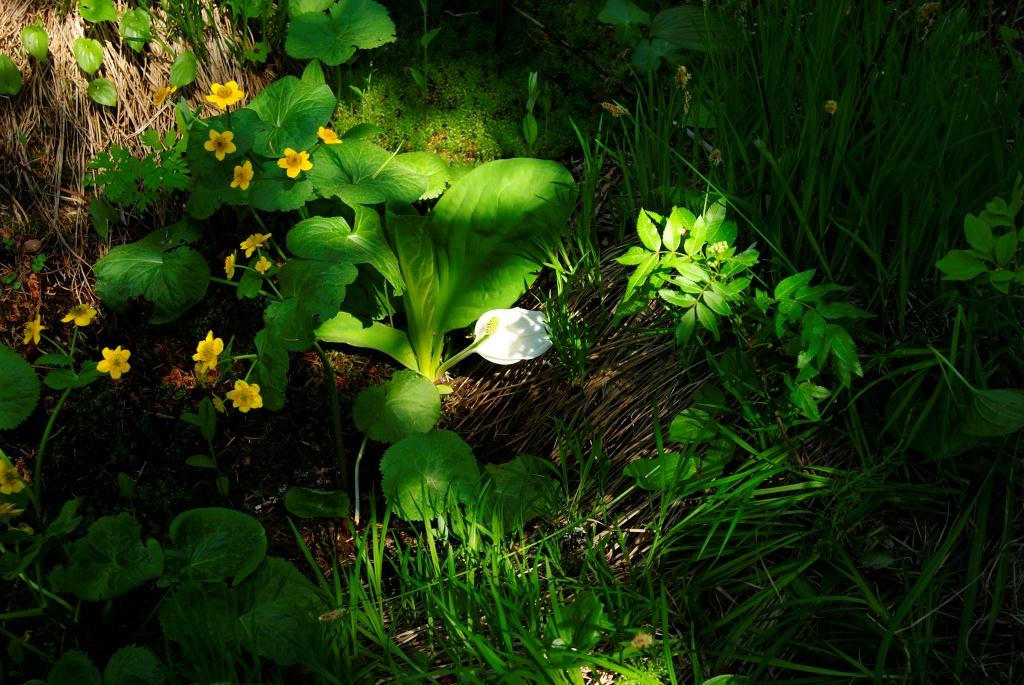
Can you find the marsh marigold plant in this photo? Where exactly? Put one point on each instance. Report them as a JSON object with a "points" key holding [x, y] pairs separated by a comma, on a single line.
{"points": [[10, 480], [252, 243], [80, 315], [293, 162], [245, 396], [242, 176], [160, 95], [32, 330], [229, 266], [207, 352], [220, 144], [114, 362], [224, 95], [328, 136]]}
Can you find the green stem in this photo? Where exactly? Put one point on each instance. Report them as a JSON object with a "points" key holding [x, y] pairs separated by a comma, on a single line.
{"points": [[224, 281], [37, 485], [355, 500], [339, 444], [455, 359]]}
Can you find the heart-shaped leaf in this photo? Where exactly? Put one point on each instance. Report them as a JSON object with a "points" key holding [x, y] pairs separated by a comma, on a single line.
{"points": [[425, 476], [183, 70], [333, 38], [406, 405], [359, 172], [103, 92], [293, 111], [88, 54]]}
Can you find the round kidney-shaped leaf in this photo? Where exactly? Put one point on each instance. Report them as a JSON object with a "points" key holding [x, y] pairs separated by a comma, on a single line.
{"points": [[425, 476], [36, 41], [102, 91], [216, 544], [88, 54], [294, 111], [406, 405]]}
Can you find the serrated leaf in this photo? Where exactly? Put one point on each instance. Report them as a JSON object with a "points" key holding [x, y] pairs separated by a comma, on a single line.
{"points": [[425, 476], [844, 353], [406, 405], [677, 225], [103, 92], [351, 25], [183, 69], [133, 665], [647, 229], [110, 560], [74, 668], [20, 388], [88, 54], [716, 302], [633, 256], [157, 268]]}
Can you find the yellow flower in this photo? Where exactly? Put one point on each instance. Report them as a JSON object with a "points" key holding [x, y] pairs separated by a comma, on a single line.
{"points": [[253, 242], [245, 396], [8, 512], [32, 330], [263, 265], [115, 362], [328, 136], [295, 162], [160, 95], [831, 106], [10, 480], [218, 404], [223, 96], [207, 351], [80, 314], [243, 174], [229, 265], [220, 144]]}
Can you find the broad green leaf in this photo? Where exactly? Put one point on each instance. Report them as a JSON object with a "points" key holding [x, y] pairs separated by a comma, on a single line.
{"points": [[309, 503], [696, 27], [686, 326], [333, 38], [692, 426], [183, 69], [294, 111], [133, 665], [490, 230], [88, 54], [211, 178], [844, 353], [10, 76], [60, 379], [102, 91], [157, 268], [332, 239], [202, 618], [633, 256], [979, 234], [805, 396], [296, 7], [716, 302], [812, 333], [54, 359], [216, 544], [272, 191], [74, 668], [432, 167], [345, 328], [647, 229], [110, 560], [271, 369], [97, 10], [35, 41], [406, 405], [134, 27], [707, 319], [579, 625], [312, 293], [992, 413], [425, 476], [359, 172], [280, 621], [20, 389], [961, 265], [313, 74], [1005, 247], [623, 12], [842, 310], [789, 285], [664, 472], [360, 131], [522, 489]]}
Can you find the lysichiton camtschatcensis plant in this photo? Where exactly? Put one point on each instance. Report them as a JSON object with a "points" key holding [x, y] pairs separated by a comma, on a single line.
{"points": [[478, 250]]}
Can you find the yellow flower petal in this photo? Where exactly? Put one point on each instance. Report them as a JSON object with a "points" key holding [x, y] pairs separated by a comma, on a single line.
{"points": [[114, 362]]}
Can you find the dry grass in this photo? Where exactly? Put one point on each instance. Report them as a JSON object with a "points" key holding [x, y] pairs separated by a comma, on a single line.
{"points": [[51, 130]]}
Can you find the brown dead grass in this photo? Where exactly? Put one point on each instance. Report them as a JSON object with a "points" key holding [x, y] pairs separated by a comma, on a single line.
{"points": [[51, 130]]}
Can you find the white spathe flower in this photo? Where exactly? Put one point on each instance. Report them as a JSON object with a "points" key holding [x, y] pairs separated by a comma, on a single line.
{"points": [[508, 336]]}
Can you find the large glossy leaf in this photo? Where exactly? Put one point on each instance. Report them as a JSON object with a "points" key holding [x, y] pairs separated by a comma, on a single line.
{"points": [[490, 230], [332, 239], [424, 476], [333, 38], [359, 172], [88, 53], [10, 76], [348, 329], [158, 268], [273, 191], [522, 489], [97, 10], [406, 405], [20, 388], [294, 110], [215, 544], [312, 292], [271, 369], [110, 561]]}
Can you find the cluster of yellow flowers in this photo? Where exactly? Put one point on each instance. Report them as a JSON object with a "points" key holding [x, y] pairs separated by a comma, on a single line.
{"points": [[114, 362], [251, 244], [244, 396]]}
